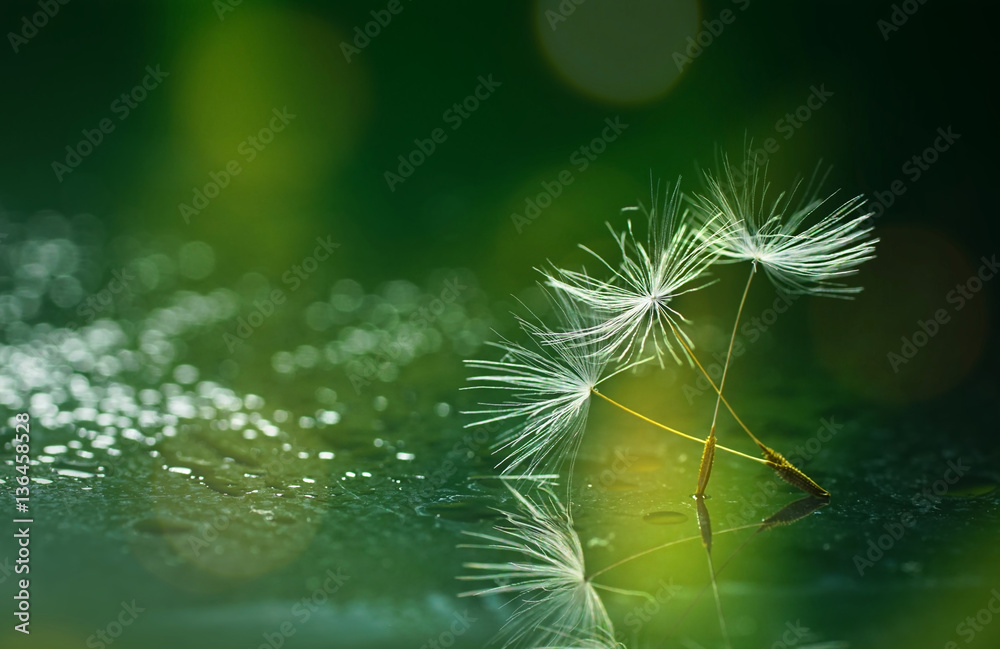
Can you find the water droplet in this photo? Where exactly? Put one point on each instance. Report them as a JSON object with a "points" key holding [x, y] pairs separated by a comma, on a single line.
{"points": [[665, 518], [458, 508], [970, 490], [162, 526], [73, 473]]}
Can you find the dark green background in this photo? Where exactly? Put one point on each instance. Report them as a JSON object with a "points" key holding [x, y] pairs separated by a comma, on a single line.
{"points": [[324, 176]]}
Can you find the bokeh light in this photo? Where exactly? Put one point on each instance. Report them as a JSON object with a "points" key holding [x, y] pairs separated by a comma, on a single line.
{"points": [[621, 52]]}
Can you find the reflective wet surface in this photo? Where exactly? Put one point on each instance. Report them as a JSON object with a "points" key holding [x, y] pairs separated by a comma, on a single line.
{"points": [[312, 485]]}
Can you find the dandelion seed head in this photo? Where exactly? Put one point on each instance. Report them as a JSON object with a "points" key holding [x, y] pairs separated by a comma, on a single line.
{"points": [[750, 224], [634, 307], [556, 606], [547, 390]]}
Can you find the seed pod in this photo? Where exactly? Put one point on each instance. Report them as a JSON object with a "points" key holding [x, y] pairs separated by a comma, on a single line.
{"points": [[705, 470], [791, 474], [793, 512], [704, 524]]}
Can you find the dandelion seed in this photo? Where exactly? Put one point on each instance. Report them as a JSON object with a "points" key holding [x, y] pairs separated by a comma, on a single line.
{"points": [[635, 306], [746, 225], [549, 385], [742, 223], [557, 606]]}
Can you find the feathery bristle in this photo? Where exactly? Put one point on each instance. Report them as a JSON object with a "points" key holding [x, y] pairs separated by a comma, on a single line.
{"points": [[751, 226], [557, 605], [635, 306], [791, 474]]}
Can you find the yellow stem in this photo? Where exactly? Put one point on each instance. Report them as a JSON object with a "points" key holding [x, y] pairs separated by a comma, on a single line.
{"points": [[729, 354], [673, 430], [660, 547], [715, 387], [708, 456]]}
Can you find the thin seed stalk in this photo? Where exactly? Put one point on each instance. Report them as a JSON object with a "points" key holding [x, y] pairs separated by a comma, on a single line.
{"points": [[785, 469], [708, 455], [708, 377], [705, 527], [674, 430], [656, 548]]}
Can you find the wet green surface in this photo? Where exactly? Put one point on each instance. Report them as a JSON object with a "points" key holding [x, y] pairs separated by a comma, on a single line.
{"points": [[219, 499], [223, 470]]}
